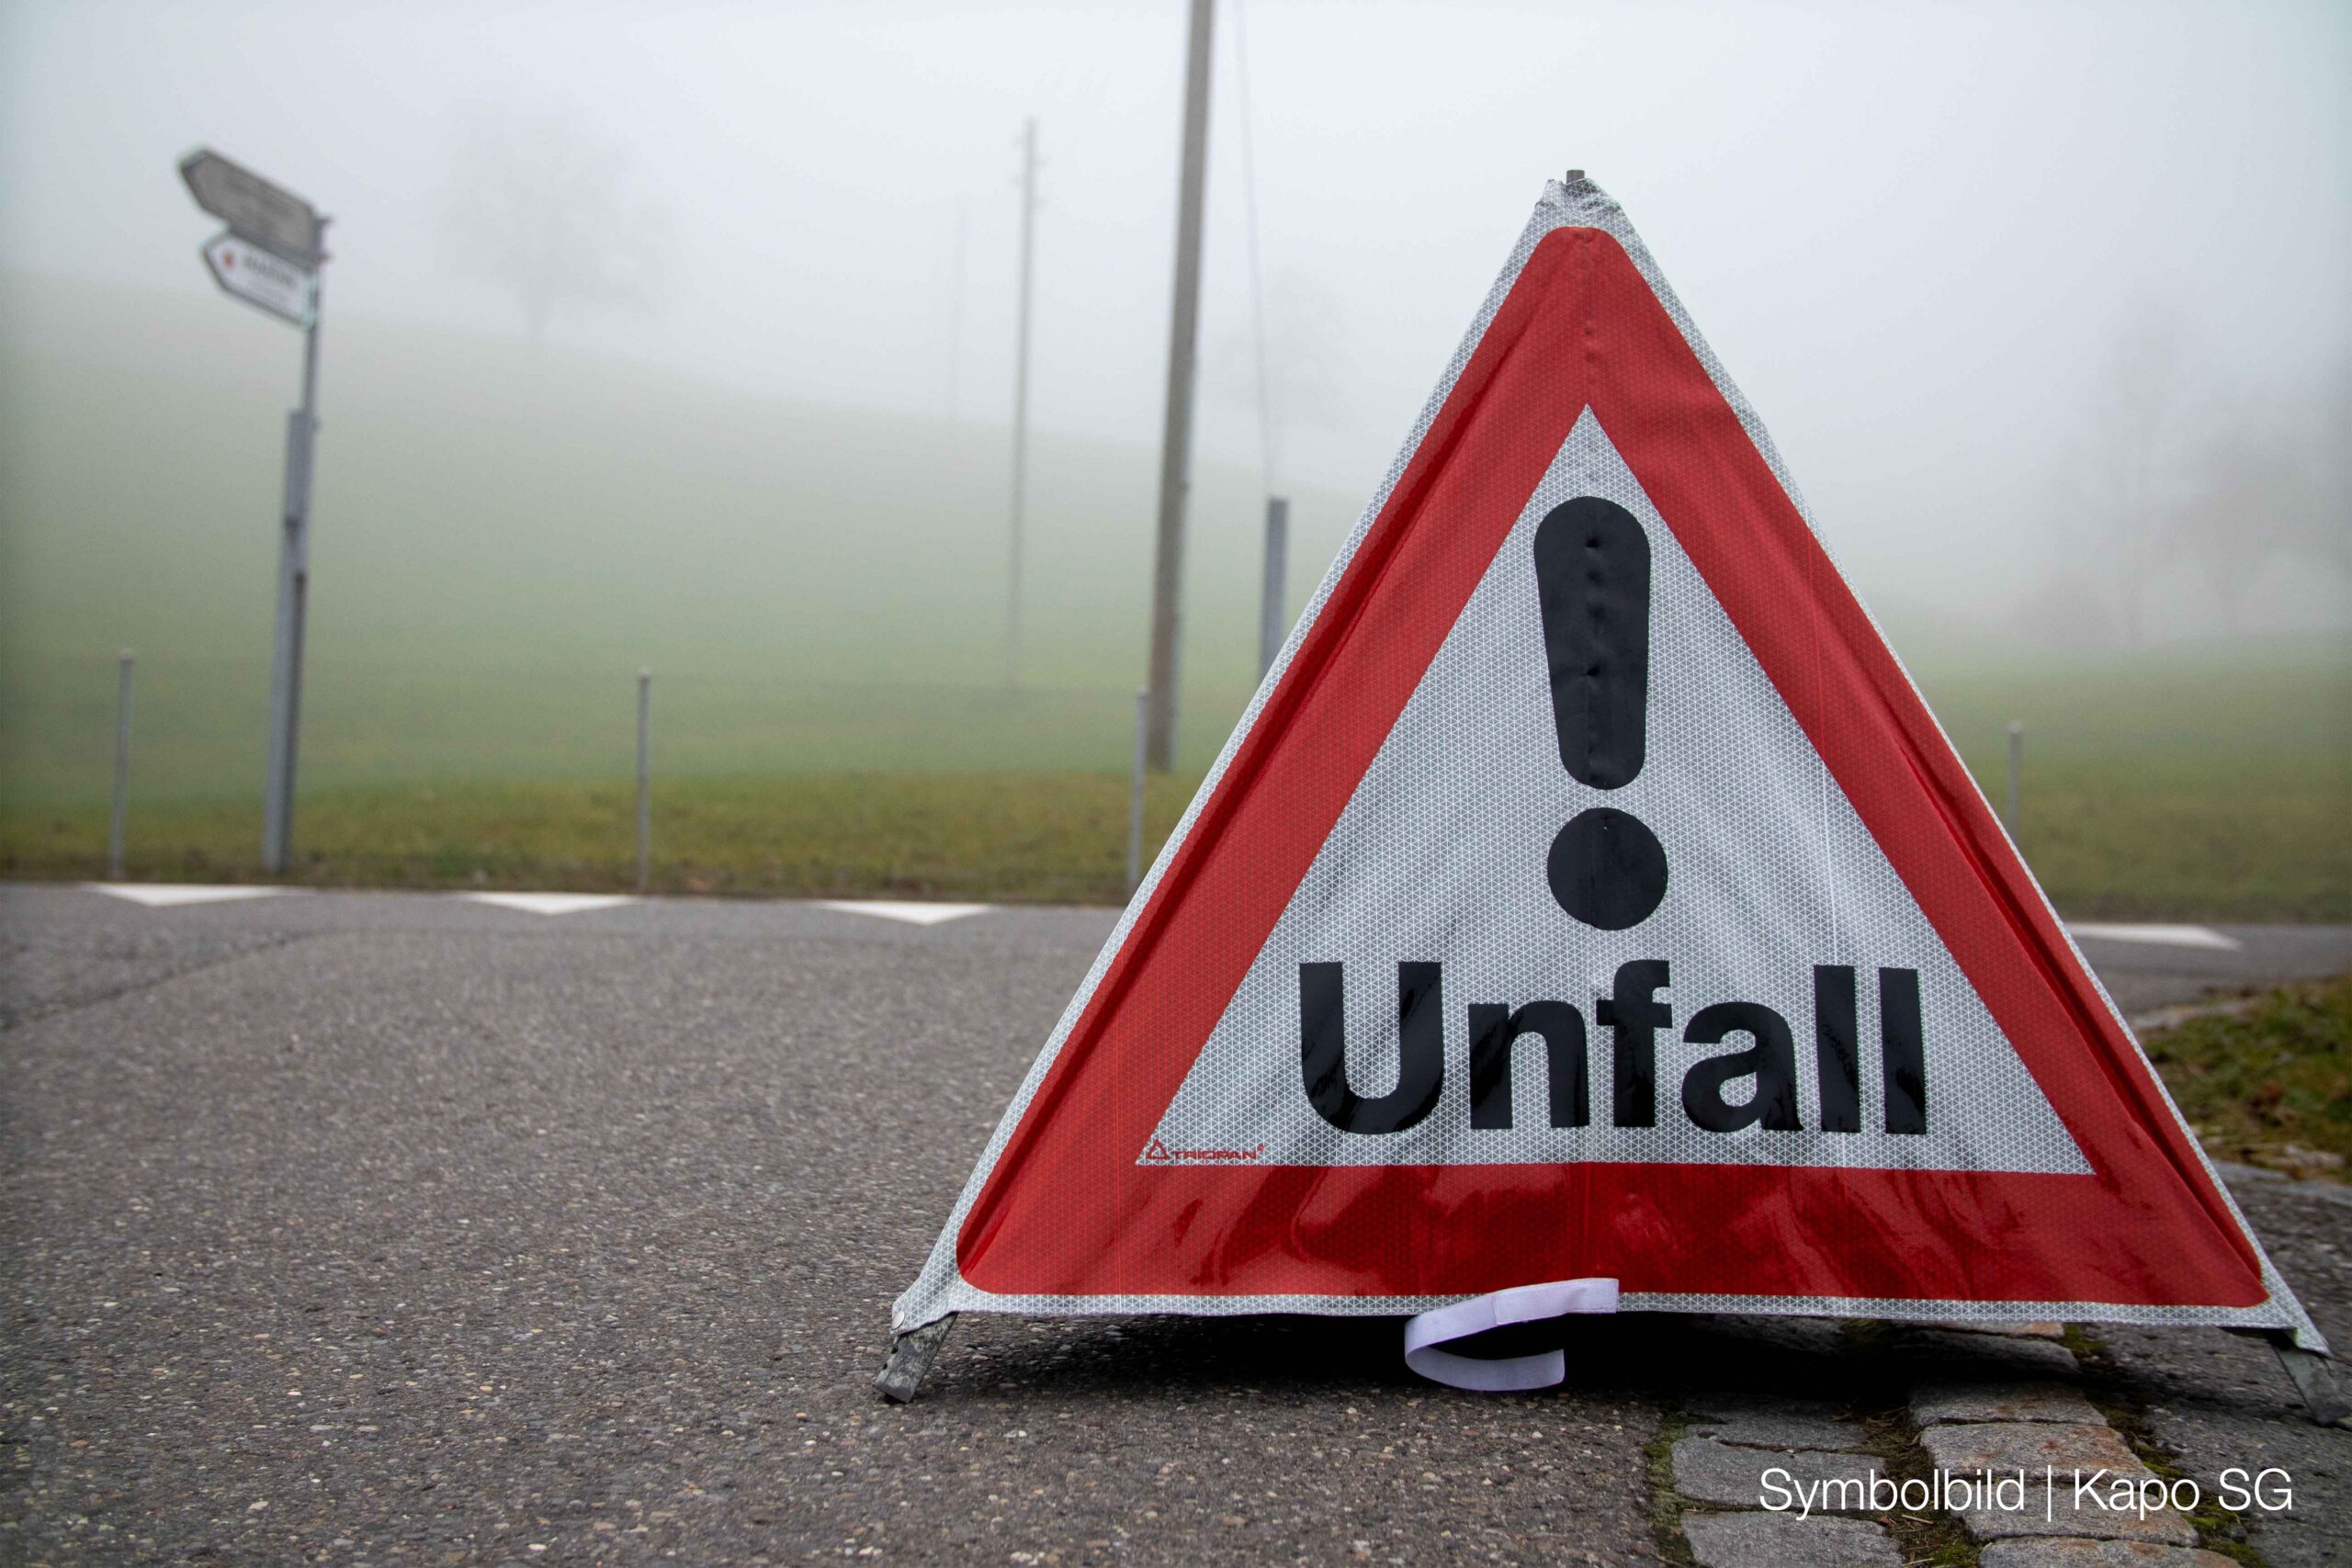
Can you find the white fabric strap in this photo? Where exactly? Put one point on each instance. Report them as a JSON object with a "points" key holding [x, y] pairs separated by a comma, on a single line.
{"points": [[1522, 1303]]}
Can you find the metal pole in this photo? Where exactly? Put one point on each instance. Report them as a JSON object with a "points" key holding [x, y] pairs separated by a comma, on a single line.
{"points": [[1176, 443], [121, 766], [1021, 407], [1274, 598], [293, 601], [2016, 766], [1135, 794], [644, 777], [955, 315]]}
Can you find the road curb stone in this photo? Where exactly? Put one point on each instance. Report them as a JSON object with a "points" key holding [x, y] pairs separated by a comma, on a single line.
{"points": [[2031, 1445], [1778, 1540], [1708, 1471], [1733, 1440], [1966, 1355], [1783, 1431], [1935, 1404], [2006, 1424], [2070, 1553]]}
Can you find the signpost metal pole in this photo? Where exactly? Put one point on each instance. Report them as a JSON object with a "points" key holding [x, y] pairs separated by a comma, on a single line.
{"points": [[1135, 793], [269, 257], [644, 777], [121, 766], [1271, 603], [1176, 442], [293, 605], [2016, 766]]}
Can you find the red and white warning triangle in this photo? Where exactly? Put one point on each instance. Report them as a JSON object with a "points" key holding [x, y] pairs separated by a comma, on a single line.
{"points": [[1589, 895]]}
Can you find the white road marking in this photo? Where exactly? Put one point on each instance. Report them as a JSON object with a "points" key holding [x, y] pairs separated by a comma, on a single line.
{"points": [[551, 903], [2160, 936], [168, 895], [913, 914]]}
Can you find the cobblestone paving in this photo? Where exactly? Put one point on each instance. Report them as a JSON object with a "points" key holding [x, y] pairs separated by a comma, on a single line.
{"points": [[2037, 1476]]}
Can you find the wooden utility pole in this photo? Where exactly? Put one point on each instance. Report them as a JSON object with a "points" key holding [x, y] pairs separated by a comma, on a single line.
{"points": [[956, 318], [1176, 443], [1021, 408]]}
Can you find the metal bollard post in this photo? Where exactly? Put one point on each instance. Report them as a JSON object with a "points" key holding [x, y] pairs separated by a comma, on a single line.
{"points": [[644, 777], [2017, 765], [1135, 794], [121, 766], [1271, 586]]}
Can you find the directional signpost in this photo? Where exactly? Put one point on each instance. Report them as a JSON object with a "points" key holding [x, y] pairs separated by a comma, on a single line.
{"points": [[270, 216], [269, 257]]}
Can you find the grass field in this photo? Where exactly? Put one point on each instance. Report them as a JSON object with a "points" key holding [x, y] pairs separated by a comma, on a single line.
{"points": [[2173, 785], [1056, 838], [505, 538], [2271, 1083], [2151, 792]]}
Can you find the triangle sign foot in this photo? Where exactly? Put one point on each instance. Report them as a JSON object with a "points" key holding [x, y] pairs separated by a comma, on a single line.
{"points": [[2315, 1379], [912, 1354]]}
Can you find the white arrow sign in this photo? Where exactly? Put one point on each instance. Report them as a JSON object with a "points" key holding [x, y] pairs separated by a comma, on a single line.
{"points": [[258, 277]]}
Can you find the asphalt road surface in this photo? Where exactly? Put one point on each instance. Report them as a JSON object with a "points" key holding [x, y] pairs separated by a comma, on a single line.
{"points": [[371, 1228]]}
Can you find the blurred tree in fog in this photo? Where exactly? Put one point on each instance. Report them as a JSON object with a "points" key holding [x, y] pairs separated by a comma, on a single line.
{"points": [[2328, 525], [2253, 493], [2125, 474], [545, 209], [2271, 481]]}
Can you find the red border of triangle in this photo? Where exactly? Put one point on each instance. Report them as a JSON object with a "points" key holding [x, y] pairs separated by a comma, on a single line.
{"points": [[1067, 1211]]}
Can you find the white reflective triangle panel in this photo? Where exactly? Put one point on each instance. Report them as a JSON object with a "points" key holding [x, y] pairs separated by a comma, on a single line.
{"points": [[1440, 855]]}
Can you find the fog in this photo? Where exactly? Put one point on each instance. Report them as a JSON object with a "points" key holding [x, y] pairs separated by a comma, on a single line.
{"points": [[1924, 239]]}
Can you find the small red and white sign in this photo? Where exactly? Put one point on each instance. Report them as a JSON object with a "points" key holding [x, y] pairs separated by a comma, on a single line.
{"points": [[260, 277], [1588, 896]]}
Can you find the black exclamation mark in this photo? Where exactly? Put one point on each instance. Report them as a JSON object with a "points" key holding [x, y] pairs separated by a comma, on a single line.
{"points": [[1592, 579]]}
